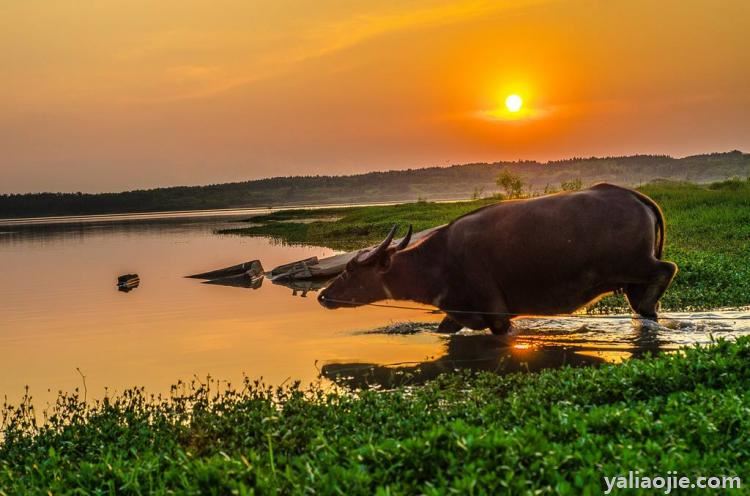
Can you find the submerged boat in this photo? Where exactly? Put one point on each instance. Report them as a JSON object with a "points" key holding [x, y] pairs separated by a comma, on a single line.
{"points": [[318, 271]]}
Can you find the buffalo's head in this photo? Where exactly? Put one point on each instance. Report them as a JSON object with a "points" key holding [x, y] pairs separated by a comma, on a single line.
{"points": [[362, 282]]}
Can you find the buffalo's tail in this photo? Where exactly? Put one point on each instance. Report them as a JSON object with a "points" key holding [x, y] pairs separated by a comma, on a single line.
{"points": [[660, 227]]}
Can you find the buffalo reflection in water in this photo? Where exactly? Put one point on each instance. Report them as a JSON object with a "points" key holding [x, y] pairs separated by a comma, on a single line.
{"points": [[468, 352]]}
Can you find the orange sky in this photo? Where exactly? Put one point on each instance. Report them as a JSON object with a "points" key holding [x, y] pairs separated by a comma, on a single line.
{"points": [[117, 94]]}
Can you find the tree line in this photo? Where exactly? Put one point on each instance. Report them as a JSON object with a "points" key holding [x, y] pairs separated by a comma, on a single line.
{"points": [[453, 182]]}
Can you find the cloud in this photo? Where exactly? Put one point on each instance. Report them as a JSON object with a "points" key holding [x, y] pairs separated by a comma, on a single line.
{"points": [[192, 48], [275, 55]]}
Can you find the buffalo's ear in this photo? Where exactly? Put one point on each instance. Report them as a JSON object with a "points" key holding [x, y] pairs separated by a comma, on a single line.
{"points": [[371, 257], [364, 257], [386, 264]]}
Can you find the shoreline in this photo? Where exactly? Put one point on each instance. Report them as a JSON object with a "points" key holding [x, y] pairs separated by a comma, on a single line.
{"points": [[188, 214]]}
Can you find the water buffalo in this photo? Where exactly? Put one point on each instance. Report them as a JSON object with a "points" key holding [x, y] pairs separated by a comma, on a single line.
{"points": [[538, 256]]}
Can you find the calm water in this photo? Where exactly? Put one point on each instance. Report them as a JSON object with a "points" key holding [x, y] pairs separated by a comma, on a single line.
{"points": [[60, 310]]}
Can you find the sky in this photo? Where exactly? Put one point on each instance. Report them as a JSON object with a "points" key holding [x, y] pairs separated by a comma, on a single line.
{"points": [[111, 95]]}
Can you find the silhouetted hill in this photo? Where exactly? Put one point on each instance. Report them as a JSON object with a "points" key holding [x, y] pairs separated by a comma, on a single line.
{"points": [[454, 182]]}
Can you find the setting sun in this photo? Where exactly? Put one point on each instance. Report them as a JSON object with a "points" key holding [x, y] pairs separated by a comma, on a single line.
{"points": [[513, 103]]}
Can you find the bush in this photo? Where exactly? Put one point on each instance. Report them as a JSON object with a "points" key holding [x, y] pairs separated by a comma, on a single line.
{"points": [[511, 183], [572, 185]]}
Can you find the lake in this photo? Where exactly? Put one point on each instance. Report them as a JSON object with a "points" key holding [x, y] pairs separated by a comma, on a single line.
{"points": [[60, 312]]}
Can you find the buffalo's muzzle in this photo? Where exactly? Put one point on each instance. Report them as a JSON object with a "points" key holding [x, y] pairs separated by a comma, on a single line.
{"points": [[325, 302]]}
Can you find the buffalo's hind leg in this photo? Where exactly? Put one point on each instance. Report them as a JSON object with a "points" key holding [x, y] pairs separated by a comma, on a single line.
{"points": [[644, 297], [503, 329], [499, 325]]}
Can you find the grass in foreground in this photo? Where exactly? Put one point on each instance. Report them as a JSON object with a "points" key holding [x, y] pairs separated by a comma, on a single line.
{"points": [[556, 432], [708, 237]]}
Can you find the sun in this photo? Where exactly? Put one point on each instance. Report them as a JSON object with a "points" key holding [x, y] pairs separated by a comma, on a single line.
{"points": [[513, 103], [509, 106]]}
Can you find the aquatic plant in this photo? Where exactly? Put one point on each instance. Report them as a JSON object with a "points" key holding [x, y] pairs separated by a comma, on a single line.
{"points": [[555, 432]]}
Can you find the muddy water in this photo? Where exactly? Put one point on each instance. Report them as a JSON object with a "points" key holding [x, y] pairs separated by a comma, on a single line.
{"points": [[60, 312]]}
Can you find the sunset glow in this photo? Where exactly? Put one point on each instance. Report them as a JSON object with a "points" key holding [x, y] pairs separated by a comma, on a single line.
{"points": [[109, 98]]}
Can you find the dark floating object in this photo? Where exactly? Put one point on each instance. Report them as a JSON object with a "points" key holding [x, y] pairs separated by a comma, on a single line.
{"points": [[128, 282]]}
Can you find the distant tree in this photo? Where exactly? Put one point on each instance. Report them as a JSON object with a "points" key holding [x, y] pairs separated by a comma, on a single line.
{"points": [[548, 190], [573, 185], [511, 183], [478, 193]]}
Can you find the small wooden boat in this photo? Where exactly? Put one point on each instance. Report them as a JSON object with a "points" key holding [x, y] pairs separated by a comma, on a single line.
{"points": [[252, 268], [317, 271], [245, 280]]}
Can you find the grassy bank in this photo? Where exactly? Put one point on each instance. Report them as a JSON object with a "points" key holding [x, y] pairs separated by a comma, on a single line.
{"points": [[556, 432], [708, 236]]}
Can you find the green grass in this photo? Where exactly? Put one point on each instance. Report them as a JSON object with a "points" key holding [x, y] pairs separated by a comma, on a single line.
{"points": [[708, 236], [555, 432], [353, 227]]}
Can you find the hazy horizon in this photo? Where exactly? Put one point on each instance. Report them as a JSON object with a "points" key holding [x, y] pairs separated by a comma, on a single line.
{"points": [[117, 96], [355, 173]]}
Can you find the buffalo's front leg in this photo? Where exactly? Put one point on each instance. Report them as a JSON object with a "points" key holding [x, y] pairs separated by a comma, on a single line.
{"points": [[478, 321], [468, 320], [449, 326]]}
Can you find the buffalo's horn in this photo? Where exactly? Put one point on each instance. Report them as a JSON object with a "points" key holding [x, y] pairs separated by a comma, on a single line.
{"points": [[375, 253], [404, 242]]}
